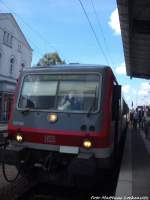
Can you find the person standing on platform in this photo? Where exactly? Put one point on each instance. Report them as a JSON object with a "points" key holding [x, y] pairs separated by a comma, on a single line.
{"points": [[135, 118], [147, 125], [140, 113], [131, 118]]}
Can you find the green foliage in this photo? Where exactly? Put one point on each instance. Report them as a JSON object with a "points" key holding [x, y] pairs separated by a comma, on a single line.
{"points": [[50, 59]]}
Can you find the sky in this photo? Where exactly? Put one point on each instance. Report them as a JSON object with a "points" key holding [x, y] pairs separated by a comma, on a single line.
{"points": [[61, 25]]}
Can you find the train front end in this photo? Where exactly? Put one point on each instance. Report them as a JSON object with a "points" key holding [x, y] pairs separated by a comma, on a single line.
{"points": [[61, 120]]}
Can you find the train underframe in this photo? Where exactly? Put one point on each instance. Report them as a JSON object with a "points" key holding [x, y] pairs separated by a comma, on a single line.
{"points": [[60, 168]]}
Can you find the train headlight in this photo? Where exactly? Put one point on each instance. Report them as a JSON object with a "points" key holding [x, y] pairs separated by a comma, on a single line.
{"points": [[87, 144], [52, 117], [19, 138]]}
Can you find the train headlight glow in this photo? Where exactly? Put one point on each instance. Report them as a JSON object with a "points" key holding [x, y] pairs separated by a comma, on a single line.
{"points": [[87, 144], [52, 117], [19, 138]]}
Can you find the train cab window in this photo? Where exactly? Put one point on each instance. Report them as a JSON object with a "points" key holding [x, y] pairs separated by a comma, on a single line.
{"points": [[64, 93], [38, 93], [77, 95]]}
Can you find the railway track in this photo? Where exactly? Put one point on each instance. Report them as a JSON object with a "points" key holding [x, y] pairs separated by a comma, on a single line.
{"points": [[48, 191], [11, 191], [43, 191]]}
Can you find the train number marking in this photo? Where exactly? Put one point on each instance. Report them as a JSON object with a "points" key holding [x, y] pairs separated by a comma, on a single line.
{"points": [[49, 139]]}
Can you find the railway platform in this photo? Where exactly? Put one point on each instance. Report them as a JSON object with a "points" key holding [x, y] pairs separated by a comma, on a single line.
{"points": [[134, 176]]}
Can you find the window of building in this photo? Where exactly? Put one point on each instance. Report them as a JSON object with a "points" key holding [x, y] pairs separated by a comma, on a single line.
{"points": [[0, 57], [22, 66], [12, 63], [7, 39], [19, 47], [11, 39]]}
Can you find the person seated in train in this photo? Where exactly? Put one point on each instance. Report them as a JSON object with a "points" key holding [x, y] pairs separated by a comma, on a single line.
{"points": [[70, 102], [26, 102]]}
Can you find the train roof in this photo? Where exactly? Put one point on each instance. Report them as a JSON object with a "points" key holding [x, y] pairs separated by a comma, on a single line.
{"points": [[68, 67]]}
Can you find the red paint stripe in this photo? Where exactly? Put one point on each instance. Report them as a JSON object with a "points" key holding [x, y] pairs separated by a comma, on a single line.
{"points": [[69, 138], [12, 128]]}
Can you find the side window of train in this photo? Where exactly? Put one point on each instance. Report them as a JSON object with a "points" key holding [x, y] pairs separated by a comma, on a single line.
{"points": [[115, 101]]}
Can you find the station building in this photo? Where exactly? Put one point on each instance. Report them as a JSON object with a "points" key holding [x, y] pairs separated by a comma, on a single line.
{"points": [[15, 54]]}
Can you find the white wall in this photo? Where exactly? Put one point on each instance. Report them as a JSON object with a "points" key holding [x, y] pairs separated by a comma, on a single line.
{"points": [[8, 24]]}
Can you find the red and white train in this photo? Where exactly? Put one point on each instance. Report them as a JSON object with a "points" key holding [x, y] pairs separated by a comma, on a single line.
{"points": [[65, 118]]}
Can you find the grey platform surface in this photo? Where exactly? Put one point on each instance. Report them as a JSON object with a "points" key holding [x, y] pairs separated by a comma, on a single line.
{"points": [[134, 177]]}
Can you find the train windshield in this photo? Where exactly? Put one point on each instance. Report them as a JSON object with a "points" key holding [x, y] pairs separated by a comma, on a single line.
{"points": [[64, 93]]}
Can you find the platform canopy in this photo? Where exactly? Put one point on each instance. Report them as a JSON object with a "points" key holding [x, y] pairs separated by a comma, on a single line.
{"points": [[135, 28]]}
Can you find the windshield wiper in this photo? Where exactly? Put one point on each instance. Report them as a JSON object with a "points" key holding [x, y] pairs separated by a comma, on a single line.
{"points": [[25, 110], [93, 103]]}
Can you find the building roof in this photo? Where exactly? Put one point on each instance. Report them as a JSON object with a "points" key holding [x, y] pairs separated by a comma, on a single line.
{"points": [[11, 17], [135, 28]]}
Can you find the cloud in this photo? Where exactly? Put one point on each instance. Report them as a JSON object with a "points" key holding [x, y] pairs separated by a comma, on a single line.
{"points": [[121, 69], [145, 86], [144, 89], [143, 92], [127, 98], [114, 22], [125, 89], [134, 91], [139, 93]]}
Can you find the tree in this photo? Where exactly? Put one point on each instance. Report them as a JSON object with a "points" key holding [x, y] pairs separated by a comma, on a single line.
{"points": [[50, 59]]}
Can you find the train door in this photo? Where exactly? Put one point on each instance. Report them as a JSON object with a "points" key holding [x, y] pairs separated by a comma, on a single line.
{"points": [[116, 108]]}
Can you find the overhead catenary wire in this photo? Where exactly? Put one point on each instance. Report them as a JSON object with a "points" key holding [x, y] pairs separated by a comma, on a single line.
{"points": [[37, 50], [102, 32], [94, 33], [30, 27]]}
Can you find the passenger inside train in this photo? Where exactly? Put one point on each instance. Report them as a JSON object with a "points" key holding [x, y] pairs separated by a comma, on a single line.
{"points": [[70, 102]]}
